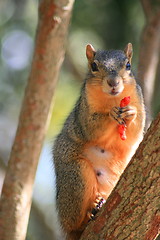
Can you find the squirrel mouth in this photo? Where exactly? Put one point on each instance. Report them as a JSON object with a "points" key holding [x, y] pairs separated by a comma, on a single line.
{"points": [[114, 92]]}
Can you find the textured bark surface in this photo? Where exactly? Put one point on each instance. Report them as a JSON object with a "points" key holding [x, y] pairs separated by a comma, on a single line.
{"points": [[133, 208], [149, 50], [49, 53]]}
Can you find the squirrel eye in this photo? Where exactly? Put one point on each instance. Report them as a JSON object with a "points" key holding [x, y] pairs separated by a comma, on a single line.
{"points": [[128, 66], [94, 67]]}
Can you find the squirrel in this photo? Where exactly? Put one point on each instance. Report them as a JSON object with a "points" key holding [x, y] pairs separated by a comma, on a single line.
{"points": [[89, 155]]}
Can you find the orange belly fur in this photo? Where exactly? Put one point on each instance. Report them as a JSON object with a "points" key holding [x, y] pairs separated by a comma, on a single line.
{"points": [[109, 164]]}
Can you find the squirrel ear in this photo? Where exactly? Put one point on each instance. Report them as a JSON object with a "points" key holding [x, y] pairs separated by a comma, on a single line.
{"points": [[129, 51], [90, 52]]}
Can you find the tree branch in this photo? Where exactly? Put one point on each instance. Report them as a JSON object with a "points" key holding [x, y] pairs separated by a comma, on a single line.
{"points": [[132, 210], [147, 8], [149, 51], [15, 202]]}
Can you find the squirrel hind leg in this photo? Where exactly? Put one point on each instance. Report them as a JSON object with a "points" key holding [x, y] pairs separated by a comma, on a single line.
{"points": [[75, 235], [76, 197]]}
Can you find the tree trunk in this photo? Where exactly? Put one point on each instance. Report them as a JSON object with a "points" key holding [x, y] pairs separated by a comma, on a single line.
{"points": [[15, 202], [149, 50], [132, 211]]}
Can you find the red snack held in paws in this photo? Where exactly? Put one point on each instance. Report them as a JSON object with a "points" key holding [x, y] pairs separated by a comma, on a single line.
{"points": [[122, 128], [125, 101]]}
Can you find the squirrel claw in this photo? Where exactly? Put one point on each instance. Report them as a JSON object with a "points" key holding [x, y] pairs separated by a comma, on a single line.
{"points": [[121, 114], [115, 113], [128, 112], [98, 204]]}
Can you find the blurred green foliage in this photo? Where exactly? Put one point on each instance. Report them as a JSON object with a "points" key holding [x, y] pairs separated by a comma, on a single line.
{"points": [[18, 21], [64, 99], [116, 22]]}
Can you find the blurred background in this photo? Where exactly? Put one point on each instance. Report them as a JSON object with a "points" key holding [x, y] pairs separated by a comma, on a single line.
{"points": [[106, 24]]}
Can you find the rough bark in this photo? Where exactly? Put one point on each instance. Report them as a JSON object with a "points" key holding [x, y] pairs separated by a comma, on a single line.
{"points": [[149, 50], [15, 202], [133, 208], [156, 98]]}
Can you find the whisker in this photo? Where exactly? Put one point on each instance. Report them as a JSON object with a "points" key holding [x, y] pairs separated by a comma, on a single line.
{"points": [[96, 82]]}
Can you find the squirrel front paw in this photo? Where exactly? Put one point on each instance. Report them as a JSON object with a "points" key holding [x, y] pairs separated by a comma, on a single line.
{"points": [[128, 113], [123, 114]]}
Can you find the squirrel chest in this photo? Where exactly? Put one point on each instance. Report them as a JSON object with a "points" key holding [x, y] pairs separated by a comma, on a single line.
{"points": [[108, 153]]}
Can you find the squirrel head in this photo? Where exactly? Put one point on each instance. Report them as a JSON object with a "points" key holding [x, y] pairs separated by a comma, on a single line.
{"points": [[110, 69]]}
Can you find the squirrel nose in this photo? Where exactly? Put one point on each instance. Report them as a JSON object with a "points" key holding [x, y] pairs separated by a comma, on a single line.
{"points": [[113, 82]]}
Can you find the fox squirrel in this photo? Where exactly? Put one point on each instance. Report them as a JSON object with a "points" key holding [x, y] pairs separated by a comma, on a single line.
{"points": [[89, 155]]}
